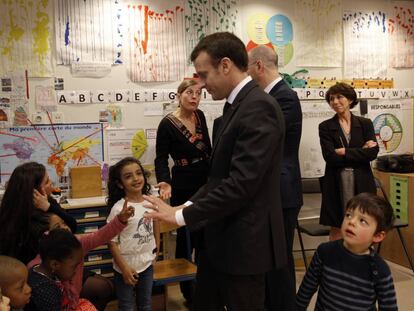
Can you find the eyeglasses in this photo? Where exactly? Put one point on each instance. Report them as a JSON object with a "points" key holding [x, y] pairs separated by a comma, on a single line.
{"points": [[192, 93]]}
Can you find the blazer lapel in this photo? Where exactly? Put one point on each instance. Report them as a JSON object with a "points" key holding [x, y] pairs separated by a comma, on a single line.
{"points": [[337, 132], [230, 113], [356, 131]]}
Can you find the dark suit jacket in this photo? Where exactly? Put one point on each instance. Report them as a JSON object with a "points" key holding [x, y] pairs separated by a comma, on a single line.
{"points": [[240, 204], [331, 137], [291, 183], [216, 127]]}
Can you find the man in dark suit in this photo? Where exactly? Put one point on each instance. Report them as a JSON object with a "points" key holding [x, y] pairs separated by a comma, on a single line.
{"points": [[239, 207], [263, 68]]}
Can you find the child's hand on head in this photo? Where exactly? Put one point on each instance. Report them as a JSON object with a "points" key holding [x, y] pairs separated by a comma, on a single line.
{"points": [[40, 200], [5, 304], [126, 212]]}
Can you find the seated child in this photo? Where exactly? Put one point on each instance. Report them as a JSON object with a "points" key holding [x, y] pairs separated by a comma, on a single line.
{"points": [[13, 282], [348, 272], [71, 285]]}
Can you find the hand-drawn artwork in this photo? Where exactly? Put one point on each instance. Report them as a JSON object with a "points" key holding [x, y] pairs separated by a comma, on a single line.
{"points": [[365, 44], [205, 17], [401, 33], [5, 115], [256, 28], [275, 31], [155, 43], [25, 29], [319, 33], [88, 31]]}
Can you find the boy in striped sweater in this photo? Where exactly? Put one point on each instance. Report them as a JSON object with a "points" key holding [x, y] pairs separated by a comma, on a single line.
{"points": [[348, 272]]}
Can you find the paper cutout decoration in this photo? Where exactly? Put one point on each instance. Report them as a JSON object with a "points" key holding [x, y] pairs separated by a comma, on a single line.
{"points": [[139, 144]]}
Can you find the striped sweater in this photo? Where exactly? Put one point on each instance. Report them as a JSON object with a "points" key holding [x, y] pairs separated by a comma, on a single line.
{"points": [[347, 281]]}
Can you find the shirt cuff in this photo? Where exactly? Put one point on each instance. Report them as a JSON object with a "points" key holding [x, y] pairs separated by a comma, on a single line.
{"points": [[179, 217]]}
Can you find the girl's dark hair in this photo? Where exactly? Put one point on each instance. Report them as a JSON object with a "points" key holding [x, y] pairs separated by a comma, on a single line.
{"points": [[17, 208], [116, 193], [58, 244], [376, 207], [342, 89]]}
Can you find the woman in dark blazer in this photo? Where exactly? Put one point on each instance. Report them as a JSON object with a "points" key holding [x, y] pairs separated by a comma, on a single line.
{"points": [[183, 135], [348, 146]]}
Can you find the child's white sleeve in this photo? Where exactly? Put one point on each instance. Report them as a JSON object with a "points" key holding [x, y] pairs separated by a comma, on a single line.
{"points": [[115, 210]]}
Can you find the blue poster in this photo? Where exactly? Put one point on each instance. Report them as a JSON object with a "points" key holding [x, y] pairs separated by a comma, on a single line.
{"points": [[279, 30]]}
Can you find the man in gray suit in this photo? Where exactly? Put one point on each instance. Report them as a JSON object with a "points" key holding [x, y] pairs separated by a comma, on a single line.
{"points": [[263, 68]]}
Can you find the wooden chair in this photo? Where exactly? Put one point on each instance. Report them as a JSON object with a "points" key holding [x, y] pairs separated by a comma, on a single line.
{"points": [[169, 271]]}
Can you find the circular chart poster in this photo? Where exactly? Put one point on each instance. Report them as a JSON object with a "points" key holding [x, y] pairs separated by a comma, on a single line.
{"points": [[274, 31], [279, 30], [388, 131]]}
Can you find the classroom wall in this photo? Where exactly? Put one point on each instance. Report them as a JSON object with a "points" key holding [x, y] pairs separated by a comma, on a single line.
{"points": [[118, 79], [133, 113]]}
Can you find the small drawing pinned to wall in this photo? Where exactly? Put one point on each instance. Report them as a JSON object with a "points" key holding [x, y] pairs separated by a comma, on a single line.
{"points": [[4, 116], [59, 84]]}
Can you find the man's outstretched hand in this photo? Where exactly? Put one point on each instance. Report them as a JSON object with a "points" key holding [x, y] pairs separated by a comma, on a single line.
{"points": [[161, 210]]}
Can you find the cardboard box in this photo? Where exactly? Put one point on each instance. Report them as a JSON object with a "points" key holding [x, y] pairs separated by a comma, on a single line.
{"points": [[85, 181]]}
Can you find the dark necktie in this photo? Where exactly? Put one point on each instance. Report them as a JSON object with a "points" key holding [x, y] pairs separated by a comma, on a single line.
{"points": [[226, 108]]}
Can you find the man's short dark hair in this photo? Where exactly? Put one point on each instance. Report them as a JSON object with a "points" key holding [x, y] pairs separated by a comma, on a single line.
{"points": [[376, 207], [344, 89], [222, 44]]}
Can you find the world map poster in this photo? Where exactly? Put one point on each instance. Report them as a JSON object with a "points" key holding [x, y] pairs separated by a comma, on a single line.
{"points": [[58, 147]]}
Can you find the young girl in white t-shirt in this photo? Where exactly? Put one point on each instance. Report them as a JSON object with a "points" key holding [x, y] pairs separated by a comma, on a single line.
{"points": [[135, 249]]}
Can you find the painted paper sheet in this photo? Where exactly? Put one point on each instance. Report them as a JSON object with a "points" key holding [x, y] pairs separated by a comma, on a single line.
{"points": [[88, 31], [319, 33], [311, 160], [155, 42], [401, 32], [393, 124], [25, 30], [206, 17], [365, 44]]}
